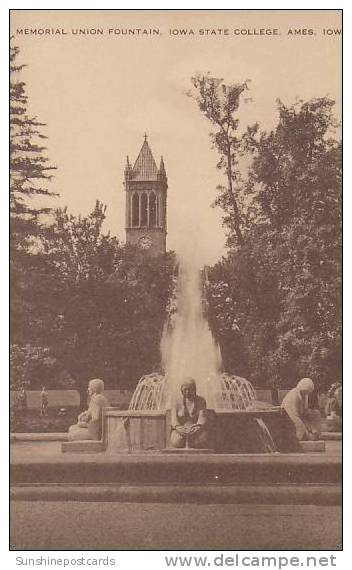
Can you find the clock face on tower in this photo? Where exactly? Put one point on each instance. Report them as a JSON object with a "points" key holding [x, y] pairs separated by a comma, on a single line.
{"points": [[145, 242]]}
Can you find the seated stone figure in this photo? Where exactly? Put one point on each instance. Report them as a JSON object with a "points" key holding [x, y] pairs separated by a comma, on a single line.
{"points": [[295, 403], [333, 408], [89, 424], [189, 422]]}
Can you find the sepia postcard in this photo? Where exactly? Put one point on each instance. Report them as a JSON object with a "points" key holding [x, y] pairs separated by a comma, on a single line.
{"points": [[175, 212]]}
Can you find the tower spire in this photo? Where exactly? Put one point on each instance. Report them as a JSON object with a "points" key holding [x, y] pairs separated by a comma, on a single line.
{"points": [[145, 167], [146, 202], [162, 172], [128, 167]]}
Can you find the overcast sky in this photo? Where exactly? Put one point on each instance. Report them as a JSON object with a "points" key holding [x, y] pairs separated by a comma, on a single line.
{"points": [[99, 94]]}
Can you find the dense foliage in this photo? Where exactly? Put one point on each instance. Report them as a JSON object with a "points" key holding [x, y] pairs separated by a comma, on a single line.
{"points": [[104, 306], [30, 176], [30, 168], [275, 300], [82, 305], [112, 302]]}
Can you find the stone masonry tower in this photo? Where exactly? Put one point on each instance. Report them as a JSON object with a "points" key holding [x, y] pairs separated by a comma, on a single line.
{"points": [[146, 193]]}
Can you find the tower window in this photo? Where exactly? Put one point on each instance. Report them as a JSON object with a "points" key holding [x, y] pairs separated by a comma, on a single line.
{"points": [[160, 211], [144, 209], [135, 210], [152, 210]]}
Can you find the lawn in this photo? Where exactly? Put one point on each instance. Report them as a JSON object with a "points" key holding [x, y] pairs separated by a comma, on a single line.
{"points": [[32, 421]]}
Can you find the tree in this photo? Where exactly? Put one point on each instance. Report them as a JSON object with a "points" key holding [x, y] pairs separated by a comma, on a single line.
{"points": [[295, 171], [298, 170], [219, 103], [111, 302], [30, 170], [80, 258], [283, 288], [78, 249], [99, 306], [135, 308], [30, 173]]}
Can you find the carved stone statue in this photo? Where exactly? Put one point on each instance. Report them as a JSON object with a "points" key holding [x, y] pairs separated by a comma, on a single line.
{"points": [[189, 421], [89, 424], [305, 420]]}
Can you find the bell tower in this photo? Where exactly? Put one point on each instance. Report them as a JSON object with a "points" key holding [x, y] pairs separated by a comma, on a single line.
{"points": [[146, 193]]}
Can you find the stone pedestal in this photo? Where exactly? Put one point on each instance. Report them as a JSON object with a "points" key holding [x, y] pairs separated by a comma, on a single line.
{"points": [[187, 450], [133, 430], [89, 446], [312, 446]]}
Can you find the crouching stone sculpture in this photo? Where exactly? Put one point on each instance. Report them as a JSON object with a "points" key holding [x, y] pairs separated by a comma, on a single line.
{"points": [[189, 420], [89, 424]]}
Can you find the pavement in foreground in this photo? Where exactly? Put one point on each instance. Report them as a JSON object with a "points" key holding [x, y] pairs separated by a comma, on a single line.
{"points": [[83, 525], [131, 526]]}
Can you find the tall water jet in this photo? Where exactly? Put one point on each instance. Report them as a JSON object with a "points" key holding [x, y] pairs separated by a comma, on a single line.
{"points": [[188, 347]]}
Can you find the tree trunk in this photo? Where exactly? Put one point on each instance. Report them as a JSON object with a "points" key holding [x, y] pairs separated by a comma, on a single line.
{"points": [[275, 396], [233, 199], [82, 389]]}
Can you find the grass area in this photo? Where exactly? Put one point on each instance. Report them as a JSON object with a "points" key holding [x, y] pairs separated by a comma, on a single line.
{"points": [[32, 421]]}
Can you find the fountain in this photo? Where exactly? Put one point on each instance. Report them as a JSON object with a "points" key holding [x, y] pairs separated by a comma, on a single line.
{"points": [[132, 463], [188, 348]]}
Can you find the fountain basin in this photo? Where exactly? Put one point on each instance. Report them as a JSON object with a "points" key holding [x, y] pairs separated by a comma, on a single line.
{"points": [[252, 431]]}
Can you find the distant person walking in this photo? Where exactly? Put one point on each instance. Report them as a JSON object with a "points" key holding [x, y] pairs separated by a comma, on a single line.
{"points": [[44, 399], [23, 400]]}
